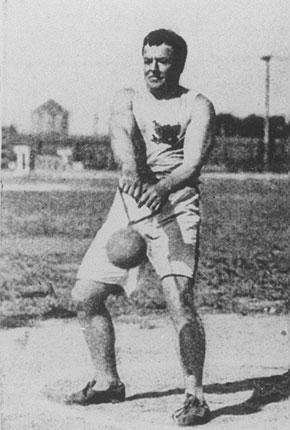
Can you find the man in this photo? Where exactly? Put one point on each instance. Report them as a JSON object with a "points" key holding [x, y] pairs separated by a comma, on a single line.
{"points": [[161, 136]]}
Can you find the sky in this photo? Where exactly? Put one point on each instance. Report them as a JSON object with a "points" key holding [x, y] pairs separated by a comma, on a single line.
{"points": [[80, 52]]}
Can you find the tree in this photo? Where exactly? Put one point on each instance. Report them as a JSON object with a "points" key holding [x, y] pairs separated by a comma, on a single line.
{"points": [[252, 126], [278, 127], [227, 125], [9, 136]]}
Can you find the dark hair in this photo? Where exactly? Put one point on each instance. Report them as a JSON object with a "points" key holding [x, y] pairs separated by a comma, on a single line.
{"points": [[157, 37]]}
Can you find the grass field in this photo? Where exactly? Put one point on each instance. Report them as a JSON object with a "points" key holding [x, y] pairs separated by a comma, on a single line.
{"points": [[245, 248]]}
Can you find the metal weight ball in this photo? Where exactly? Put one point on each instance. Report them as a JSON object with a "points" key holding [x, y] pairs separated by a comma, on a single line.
{"points": [[126, 248]]}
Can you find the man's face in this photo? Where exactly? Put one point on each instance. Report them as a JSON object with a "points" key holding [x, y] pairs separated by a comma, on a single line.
{"points": [[160, 69]]}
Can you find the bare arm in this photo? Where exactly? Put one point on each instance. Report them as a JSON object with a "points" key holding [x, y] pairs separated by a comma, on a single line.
{"points": [[122, 133], [197, 145]]}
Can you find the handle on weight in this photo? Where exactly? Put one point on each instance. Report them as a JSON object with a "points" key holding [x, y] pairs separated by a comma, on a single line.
{"points": [[125, 206], [131, 222]]}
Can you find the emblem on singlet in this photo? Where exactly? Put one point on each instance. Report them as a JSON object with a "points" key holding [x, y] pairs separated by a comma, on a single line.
{"points": [[169, 134]]}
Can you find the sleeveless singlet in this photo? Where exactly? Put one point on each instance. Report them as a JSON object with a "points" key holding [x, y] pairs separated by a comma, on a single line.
{"points": [[163, 125]]}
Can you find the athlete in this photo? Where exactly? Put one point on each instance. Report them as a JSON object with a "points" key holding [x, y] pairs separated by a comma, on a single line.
{"points": [[161, 135]]}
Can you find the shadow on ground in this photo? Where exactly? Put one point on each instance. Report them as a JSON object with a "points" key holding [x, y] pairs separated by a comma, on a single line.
{"points": [[266, 390]]}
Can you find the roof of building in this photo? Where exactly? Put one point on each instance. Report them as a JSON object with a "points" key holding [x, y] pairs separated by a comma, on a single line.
{"points": [[51, 106]]}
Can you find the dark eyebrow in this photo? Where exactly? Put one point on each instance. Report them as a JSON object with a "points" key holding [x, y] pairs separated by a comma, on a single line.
{"points": [[146, 57]]}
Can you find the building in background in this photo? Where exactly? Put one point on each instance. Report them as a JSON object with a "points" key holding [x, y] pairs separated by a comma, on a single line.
{"points": [[49, 147], [50, 119], [49, 125], [101, 124]]}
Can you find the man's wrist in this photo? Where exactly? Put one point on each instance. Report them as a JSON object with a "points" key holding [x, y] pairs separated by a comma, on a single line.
{"points": [[164, 186], [129, 169], [176, 181]]}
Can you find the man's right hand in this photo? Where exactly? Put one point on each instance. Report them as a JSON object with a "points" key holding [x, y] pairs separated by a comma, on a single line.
{"points": [[131, 184]]}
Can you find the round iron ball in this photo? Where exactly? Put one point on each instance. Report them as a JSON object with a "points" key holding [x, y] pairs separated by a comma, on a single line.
{"points": [[126, 248]]}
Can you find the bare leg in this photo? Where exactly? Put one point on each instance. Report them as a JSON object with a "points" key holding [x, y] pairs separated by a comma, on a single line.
{"points": [[178, 293], [97, 325]]}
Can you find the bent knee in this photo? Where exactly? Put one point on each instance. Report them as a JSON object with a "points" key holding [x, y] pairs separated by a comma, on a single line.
{"points": [[91, 295], [87, 293], [178, 292]]}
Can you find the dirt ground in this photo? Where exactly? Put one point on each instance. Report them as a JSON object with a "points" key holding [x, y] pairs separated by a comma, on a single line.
{"points": [[40, 364]]}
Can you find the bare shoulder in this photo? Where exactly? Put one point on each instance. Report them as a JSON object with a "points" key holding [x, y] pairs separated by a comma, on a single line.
{"points": [[122, 100], [202, 105]]}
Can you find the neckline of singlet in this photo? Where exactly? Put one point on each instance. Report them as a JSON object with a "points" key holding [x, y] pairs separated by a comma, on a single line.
{"points": [[144, 92]]}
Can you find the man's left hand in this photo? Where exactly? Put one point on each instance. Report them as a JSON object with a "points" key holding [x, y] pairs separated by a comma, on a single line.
{"points": [[153, 197]]}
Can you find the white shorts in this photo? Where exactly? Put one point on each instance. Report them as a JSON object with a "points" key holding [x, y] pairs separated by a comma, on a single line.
{"points": [[172, 238]]}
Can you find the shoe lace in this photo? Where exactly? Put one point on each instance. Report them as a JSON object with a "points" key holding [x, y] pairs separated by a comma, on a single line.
{"points": [[189, 402], [89, 385]]}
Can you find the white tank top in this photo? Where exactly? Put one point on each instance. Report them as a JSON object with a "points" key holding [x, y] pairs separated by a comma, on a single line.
{"points": [[163, 124]]}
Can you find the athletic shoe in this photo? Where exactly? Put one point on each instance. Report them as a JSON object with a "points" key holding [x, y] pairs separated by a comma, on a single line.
{"points": [[192, 413], [88, 396]]}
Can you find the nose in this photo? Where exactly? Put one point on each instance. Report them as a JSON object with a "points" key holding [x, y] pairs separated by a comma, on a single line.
{"points": [[154, 65]]}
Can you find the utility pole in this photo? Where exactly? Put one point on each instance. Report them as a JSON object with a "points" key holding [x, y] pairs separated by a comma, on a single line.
{"points": [[267, 59]]}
